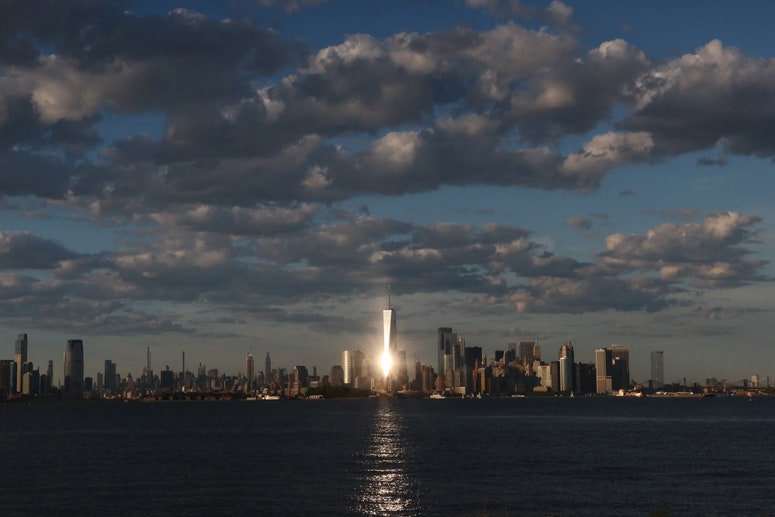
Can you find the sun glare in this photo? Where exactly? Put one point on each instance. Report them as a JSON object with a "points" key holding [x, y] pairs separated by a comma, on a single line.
{"points": [[387, 363]]}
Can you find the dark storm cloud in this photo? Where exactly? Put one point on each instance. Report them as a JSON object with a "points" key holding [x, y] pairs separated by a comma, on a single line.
{"points": [[590, 294], [28, 301], [23, 250], [44, 175], [166, 60]]}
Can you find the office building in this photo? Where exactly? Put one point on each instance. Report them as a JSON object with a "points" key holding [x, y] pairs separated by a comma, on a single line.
{"points": [[544, 373], [444, 341], [337, 376], [612, 369], [7, 376], [268, 369], [167, 379], [73, 381], [567, 370], [451, 353], [526, 352], [620, 357], [657, 369], [110, 376], [360, 365], [585, 378], [20, 357], [250, 370], [389, 329], [347, 367], [603, 382], [49, 376]]}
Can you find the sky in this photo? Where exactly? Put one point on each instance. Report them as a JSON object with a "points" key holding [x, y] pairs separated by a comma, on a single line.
{"points": [[219, 177]]}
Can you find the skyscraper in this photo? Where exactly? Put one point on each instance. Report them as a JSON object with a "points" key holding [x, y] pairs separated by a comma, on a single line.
{"points": [[526, 350], [360, 366], [49, 375], [389, 330], [267, 369], [612, 366], [250, 371], [73, 368], [567, 371], [657, 369], [390, 349], [347, 366], [110, 375], [20, 357], [602, 377], [443, 347], [620, 357]]}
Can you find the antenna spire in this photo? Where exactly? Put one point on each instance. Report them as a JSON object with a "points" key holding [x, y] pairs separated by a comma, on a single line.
{"points": [[389, 306]]}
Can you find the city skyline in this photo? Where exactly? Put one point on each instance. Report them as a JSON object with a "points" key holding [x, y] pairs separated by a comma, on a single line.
{"points": [[220, 177], [451, 349]]}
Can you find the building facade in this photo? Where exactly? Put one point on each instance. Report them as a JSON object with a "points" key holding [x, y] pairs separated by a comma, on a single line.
{"points": [[657, 369], [250, 369], [73, 381], [20, 357], [612, 369]]}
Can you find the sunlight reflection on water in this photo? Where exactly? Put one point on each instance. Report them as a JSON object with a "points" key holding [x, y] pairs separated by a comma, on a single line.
{"points": [[387, 488]]}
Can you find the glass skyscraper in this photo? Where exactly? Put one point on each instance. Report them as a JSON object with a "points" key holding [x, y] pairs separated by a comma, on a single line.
{"points": [[73, 368], [657, 369], [389, 336], [20, 357]]}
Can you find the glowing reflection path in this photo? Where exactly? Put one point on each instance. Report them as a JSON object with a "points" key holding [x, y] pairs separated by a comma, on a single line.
{"points": [[386, 487]]}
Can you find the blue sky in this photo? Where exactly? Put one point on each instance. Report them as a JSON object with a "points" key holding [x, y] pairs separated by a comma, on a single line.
{"points": [[216, 177]]}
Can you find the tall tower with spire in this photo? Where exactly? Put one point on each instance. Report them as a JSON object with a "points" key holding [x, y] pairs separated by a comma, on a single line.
{"points": [[390, 350], [389, 328], [250, 371]]}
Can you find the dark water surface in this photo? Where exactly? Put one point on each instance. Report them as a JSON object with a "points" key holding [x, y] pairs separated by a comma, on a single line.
{"points": [[531, 457]]}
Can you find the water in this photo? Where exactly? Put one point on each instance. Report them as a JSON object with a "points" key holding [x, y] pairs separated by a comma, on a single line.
{"points": [[499, 457]]}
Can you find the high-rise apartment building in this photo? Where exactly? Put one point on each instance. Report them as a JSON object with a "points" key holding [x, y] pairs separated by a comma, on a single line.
{"points": [[657, 369], [20, 357], [73, 385]]}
